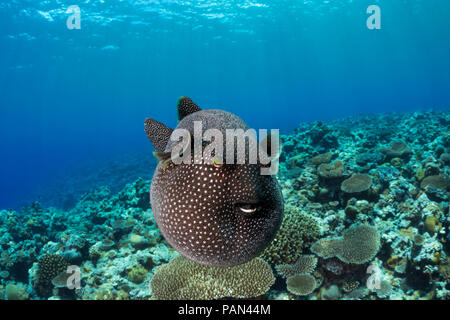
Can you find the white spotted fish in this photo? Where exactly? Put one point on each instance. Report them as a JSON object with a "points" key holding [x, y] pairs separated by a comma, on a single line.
{"points": [[213, 213]]}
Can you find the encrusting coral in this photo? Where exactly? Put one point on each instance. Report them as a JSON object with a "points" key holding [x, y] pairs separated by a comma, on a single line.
{"points": [[184, 279]]}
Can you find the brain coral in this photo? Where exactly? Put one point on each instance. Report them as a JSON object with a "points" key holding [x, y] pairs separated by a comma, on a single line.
{"points": [[304, 264], [297, 230], [438, 181], [184, 279], [329, 171], [49, 266], [302, 284], [356, 183], [359, 244]]}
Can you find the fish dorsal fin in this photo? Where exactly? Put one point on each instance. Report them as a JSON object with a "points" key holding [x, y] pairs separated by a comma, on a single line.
{"points": [[185, 107], [158, 134]]}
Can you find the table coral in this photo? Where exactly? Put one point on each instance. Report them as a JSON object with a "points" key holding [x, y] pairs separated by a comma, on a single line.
{"points": [[359, 244], [301, 285], [357, 183], [184, 279]]}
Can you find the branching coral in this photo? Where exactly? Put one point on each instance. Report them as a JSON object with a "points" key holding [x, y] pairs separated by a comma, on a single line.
{"points": [[184, 279], [297, 230], [304, 264]]}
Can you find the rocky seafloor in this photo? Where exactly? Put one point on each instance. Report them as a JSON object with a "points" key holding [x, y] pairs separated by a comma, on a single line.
{"points": [[366, 217]]}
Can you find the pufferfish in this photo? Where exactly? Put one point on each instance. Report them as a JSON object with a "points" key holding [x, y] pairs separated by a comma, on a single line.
{"points": [[213, 213]]}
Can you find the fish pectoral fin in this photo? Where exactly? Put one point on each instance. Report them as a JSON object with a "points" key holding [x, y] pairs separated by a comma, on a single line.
{"points": [[165, 157], [185, 107], [158, 134], [162, 156]]}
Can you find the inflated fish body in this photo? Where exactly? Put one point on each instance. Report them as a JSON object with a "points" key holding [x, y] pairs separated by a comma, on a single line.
{"points": [[214, 213]]}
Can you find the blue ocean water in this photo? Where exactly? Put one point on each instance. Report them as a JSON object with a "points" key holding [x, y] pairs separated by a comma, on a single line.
{"points": [[69, 97]]}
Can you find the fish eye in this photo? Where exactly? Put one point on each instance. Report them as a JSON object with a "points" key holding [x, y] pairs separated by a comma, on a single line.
{"points": [[217, 162]]}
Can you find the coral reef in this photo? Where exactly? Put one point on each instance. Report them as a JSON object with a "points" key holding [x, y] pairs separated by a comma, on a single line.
{"points": [[401, 161], [385, 239]]}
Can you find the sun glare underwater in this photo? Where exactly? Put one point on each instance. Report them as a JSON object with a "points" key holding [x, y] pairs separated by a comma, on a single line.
{"points": [[90, 209]]}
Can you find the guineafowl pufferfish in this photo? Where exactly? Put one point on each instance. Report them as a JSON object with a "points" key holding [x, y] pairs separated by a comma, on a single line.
{"points": [[213, 213]]}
